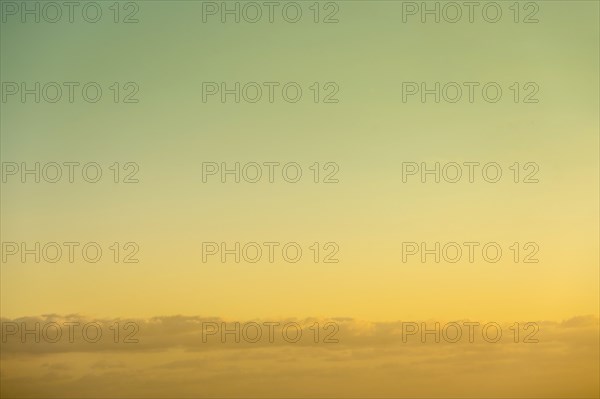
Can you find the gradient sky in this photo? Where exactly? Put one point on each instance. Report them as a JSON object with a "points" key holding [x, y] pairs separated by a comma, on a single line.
{"points": [[369, 133]]}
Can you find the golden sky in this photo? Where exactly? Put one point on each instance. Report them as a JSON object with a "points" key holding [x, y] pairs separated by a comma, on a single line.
{"points": [[156, 125]]}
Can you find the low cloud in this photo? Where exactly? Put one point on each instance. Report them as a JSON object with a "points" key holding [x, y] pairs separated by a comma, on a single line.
{"points": [[181, 356]]}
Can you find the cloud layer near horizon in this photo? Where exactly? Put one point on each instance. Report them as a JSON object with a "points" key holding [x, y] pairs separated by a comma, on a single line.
{"points": [[370, 360]]}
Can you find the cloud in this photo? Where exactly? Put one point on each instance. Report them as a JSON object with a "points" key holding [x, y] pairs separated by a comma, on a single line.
{"points": [[174, 359]]}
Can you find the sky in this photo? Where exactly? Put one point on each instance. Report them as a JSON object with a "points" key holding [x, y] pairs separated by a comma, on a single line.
{"points": [[167, 129]]}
